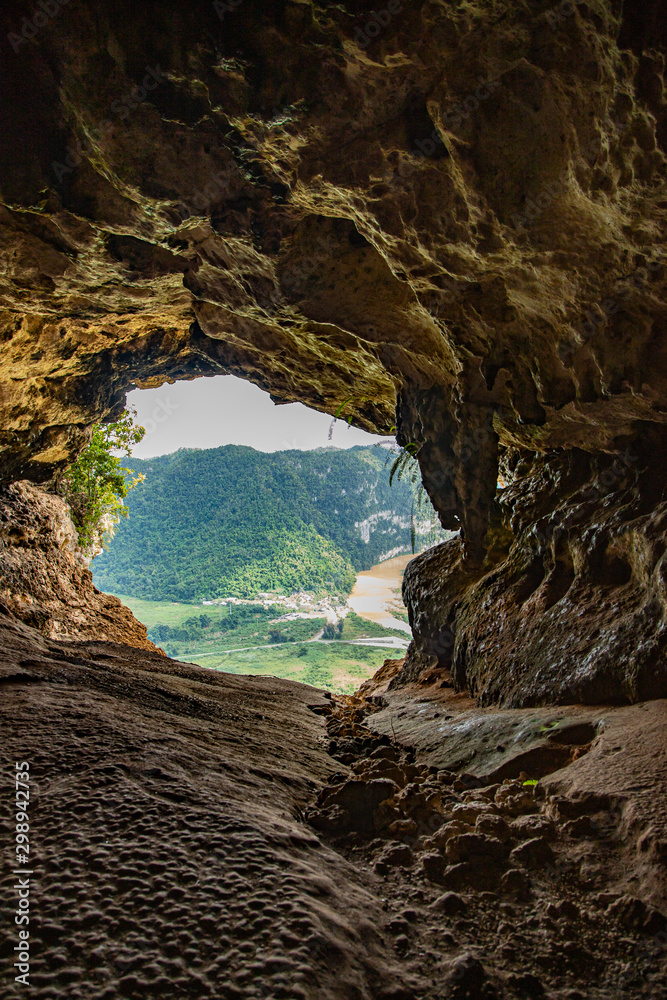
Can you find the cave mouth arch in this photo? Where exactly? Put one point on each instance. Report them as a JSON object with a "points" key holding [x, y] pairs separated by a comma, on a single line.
{"points": [[328, 257], [274, 526]]}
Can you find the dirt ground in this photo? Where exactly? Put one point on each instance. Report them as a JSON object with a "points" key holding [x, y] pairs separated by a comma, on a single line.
{"points": [[201, 835]]}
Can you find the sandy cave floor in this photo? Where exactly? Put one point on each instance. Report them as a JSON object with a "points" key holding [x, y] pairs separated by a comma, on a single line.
{"points": [[195, 834]]}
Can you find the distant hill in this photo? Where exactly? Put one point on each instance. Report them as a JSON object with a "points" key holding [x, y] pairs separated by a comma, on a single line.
{"points": [[233, 521]]}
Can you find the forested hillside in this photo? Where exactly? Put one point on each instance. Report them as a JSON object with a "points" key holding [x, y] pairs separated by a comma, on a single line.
{"points": [[233, 521]]}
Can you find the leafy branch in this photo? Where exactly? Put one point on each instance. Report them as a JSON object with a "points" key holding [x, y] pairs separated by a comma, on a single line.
{"points": [[340, 409], [96, 485]]}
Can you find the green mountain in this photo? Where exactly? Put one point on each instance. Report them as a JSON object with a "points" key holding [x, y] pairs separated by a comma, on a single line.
{"points": [[235, 522]]}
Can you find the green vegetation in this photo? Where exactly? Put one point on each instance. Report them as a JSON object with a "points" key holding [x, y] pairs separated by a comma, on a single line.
{"points": [[405, 467], [96, 485], [337, 667], [232, 521], [231, 626], [163, 612], [355, 627], [190, 629], [332, 632]]}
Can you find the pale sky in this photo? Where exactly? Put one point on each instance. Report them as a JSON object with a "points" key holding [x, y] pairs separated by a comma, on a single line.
{"points": [[209, 412]]}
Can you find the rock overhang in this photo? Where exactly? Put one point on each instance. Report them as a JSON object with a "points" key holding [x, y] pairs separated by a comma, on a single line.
{"points": [[454, 229]]}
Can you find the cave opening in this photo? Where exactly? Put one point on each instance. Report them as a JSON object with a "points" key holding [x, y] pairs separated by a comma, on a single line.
{"points": [[436, 221], [265, 539]]}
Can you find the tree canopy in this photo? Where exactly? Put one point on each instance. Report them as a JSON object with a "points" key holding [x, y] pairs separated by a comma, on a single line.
{"points": [[236, 522]]}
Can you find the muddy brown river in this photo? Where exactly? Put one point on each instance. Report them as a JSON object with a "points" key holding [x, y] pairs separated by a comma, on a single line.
{"points": [[377, 593]]}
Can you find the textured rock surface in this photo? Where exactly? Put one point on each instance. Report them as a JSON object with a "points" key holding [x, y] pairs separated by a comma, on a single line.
{"points": [[571, 602], [172, 861], [172, 856], [607, 791], [459, 212], [44, 580], [544, 878]]}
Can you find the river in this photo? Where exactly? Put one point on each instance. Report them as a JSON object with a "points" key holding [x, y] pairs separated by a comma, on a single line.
{"points": [[378, 591]]}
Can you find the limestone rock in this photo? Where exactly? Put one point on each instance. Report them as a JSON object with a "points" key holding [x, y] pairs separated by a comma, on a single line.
{"points": [[470, 846], [44, 579], [577, 587], [467, 976], [480, 874], [527, 827], [449, 903], [515, 882], [397, 855], [634, 914], [359, 800], [441, 837], [453, 228], [433, 866], [494, 826]]}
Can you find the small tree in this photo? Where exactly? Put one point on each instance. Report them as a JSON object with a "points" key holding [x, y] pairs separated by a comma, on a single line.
{"points": [[96, 485]]}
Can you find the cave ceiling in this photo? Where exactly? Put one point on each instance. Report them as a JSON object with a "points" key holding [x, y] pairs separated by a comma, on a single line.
{"points": [[453, 207]]}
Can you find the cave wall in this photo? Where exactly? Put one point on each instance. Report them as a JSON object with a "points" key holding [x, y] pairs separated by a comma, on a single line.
{"points": [[45, 581], [570, 603], [450, 222]]}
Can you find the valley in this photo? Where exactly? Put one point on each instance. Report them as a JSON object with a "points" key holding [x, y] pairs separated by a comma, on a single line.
{"points": [[331, 645], [287, 585], [233, 522]]}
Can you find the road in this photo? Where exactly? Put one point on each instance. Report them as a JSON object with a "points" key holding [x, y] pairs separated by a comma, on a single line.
{"points": [[390, 642]]}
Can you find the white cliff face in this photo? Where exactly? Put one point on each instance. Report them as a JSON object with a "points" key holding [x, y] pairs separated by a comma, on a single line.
{"points": [[369, 524], [389, 523], [393, 552]]}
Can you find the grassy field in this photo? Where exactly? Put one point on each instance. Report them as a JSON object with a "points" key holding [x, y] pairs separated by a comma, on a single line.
{"points": [[164, 612], [337, 667], [199, 634], [355, 627]]}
